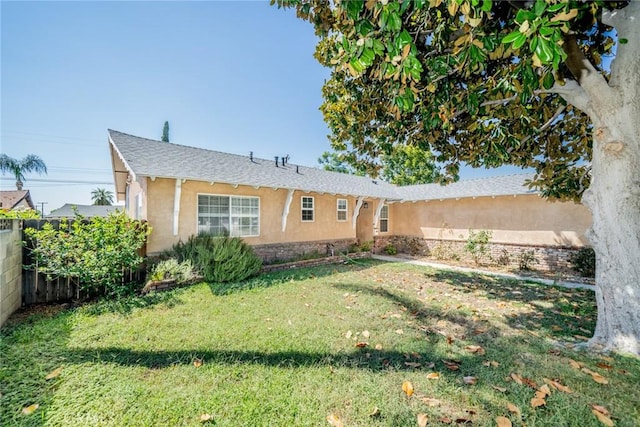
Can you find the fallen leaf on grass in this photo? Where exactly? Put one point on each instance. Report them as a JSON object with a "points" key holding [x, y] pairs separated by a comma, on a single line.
{"points": [[452, 365], [412, 364], [430, 401], [558, 386], [604, 366], [407, 387], [422, 420], [503, 422], [53, 374], [574, 364], [513, 408], [556, 328], [543, 391], [433, 375], [599, 408], [490, 363], [205, 418], [602, 418], [596, 376], [365, 334], [28, 410], [334, 420], [450, 340], [500, 389], [378, 347], [197, 363], [476, 349], [348, 335], [399, 331], [375, 412], [362, 344], [537, 401], [470, 380]]}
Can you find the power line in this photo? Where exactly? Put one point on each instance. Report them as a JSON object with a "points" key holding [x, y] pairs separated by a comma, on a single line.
{"points": [[62, 181]]}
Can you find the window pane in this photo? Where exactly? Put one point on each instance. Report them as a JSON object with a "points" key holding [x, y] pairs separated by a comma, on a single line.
{"points": [[342, 215], [384, 225]]}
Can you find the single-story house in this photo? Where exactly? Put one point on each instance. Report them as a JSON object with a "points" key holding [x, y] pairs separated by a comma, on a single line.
{"points": [[69, 210], [283, 209], [16, 200]]}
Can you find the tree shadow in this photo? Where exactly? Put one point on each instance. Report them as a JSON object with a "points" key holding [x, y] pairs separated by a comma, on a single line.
{"points": [[275, 278]]}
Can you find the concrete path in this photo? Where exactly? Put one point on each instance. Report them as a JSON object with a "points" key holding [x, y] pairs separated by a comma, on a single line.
{"points": [[569, 285]]}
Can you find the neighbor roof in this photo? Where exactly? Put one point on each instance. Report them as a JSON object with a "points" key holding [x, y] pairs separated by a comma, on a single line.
{"points": [[68, 210], [156, 159], [12, 198]]}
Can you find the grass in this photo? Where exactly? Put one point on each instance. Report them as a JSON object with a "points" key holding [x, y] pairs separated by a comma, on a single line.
{"points": [[281, 350]]}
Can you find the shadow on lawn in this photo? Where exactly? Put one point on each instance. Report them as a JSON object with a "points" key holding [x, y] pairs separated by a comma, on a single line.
{"points": [[275, 278]]}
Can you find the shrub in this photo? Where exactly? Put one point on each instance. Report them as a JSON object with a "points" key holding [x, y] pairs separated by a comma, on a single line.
{"points": [[477, 244], [19, 214], [390, 249], [95, 251], [181, 272], [219, 258], [584, 262], [504, 258], [526, 259]]}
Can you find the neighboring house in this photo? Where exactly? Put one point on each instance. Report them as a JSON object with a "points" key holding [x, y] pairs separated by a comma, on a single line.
{"points": [[16, 200], [68, 210], [284, 209]]}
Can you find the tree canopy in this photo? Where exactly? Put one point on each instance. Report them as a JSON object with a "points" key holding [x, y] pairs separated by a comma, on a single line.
{"points": [[102, 196], [19, 167], [547, 84]]}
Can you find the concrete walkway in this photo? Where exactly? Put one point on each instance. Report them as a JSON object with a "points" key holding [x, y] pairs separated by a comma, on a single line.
{"points": [[569, 285]]}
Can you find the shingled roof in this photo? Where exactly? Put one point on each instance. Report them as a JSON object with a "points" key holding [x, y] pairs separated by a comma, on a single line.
{"points": [[10, 199], [147, 157], [69, 210]]}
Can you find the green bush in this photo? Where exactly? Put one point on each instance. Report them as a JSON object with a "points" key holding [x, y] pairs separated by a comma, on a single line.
{"points": [[584, 262], [95, 252], [219, 258], [19, 214], [390, 249], [477, 244], [526, 259], [181, 272]]}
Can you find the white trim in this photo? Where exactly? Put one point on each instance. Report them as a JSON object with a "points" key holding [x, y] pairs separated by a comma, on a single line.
{"points": [[356, 211], [285, 211], [313, 208], [176, 206], [376, 217], [383, 219]]}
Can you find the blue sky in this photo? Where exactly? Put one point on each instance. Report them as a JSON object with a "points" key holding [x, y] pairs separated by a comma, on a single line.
{"points": [[230, 76]]}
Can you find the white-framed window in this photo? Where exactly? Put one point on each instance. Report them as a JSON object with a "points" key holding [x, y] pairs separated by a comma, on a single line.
{"points": [[384, 219], [307, 208], [342, 207], [229, 215]]}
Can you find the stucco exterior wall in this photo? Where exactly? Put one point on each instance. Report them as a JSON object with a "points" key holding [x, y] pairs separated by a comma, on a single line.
{"points": [[159, 211], [525, 219], [137, 188], [10, 268]]}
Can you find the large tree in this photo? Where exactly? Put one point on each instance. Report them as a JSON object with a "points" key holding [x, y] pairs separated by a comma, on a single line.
{"points": [[19, 167], [548, 84]]}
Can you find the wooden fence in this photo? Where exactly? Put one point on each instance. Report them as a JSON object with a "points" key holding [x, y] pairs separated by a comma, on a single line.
{"points": [[38, 288]]}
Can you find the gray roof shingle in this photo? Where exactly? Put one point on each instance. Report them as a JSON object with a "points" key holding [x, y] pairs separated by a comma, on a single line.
{"points": [[68, 210], [146, 157]]}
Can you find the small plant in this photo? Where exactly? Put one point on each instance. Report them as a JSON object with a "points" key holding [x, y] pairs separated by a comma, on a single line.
{"points": [[181, 272], [527, 259], [584, 262], [477, 244], [504, 258], [366, 246], [219, 258], [390, 249]]}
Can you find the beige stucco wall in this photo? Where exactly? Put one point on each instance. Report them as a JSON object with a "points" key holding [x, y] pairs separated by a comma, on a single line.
{"points": [[524, 219], [159, 208], [138, 187]]}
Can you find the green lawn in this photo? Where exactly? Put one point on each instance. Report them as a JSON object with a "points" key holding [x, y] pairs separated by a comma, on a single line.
{"points": [[282, 350]]}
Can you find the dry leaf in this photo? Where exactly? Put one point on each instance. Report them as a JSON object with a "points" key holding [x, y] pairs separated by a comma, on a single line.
{"points": [[348, 335], [602, 418], [556, 328], [503, 422], [575, 364], [476, 349], [445, 420], [454, 366], [197, 363], [334, 420], [537, 401], [365, 334], [500, 389], [599, 408], [362, 344], [433, 375], [517, 378], [28, 410], [378, 347], [604, 366], [607, 358], [375, 412], [545, 390], [490, 363], [399, 331], [430, 401], [422, 420], [53, 374], [470, 380], [450, 340], [204, 418], [558, 386], [407, 387], [479, 331], [412, 364], [529, 382], [513, 408], [596, 376]]}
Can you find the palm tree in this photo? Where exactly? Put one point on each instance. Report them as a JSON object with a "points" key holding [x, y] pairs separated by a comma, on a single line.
{"points": [[18, 168], [102, 196]]}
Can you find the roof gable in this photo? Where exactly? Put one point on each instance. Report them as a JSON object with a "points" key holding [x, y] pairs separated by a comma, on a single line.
{"points": [[11, 199]]}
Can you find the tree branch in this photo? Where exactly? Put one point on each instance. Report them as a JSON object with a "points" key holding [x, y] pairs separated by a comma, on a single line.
{"points": [[627, 62], [574, 94]]}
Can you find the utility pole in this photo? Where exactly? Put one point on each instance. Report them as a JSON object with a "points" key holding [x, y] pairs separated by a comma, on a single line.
{"points": [[42, 209]]}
